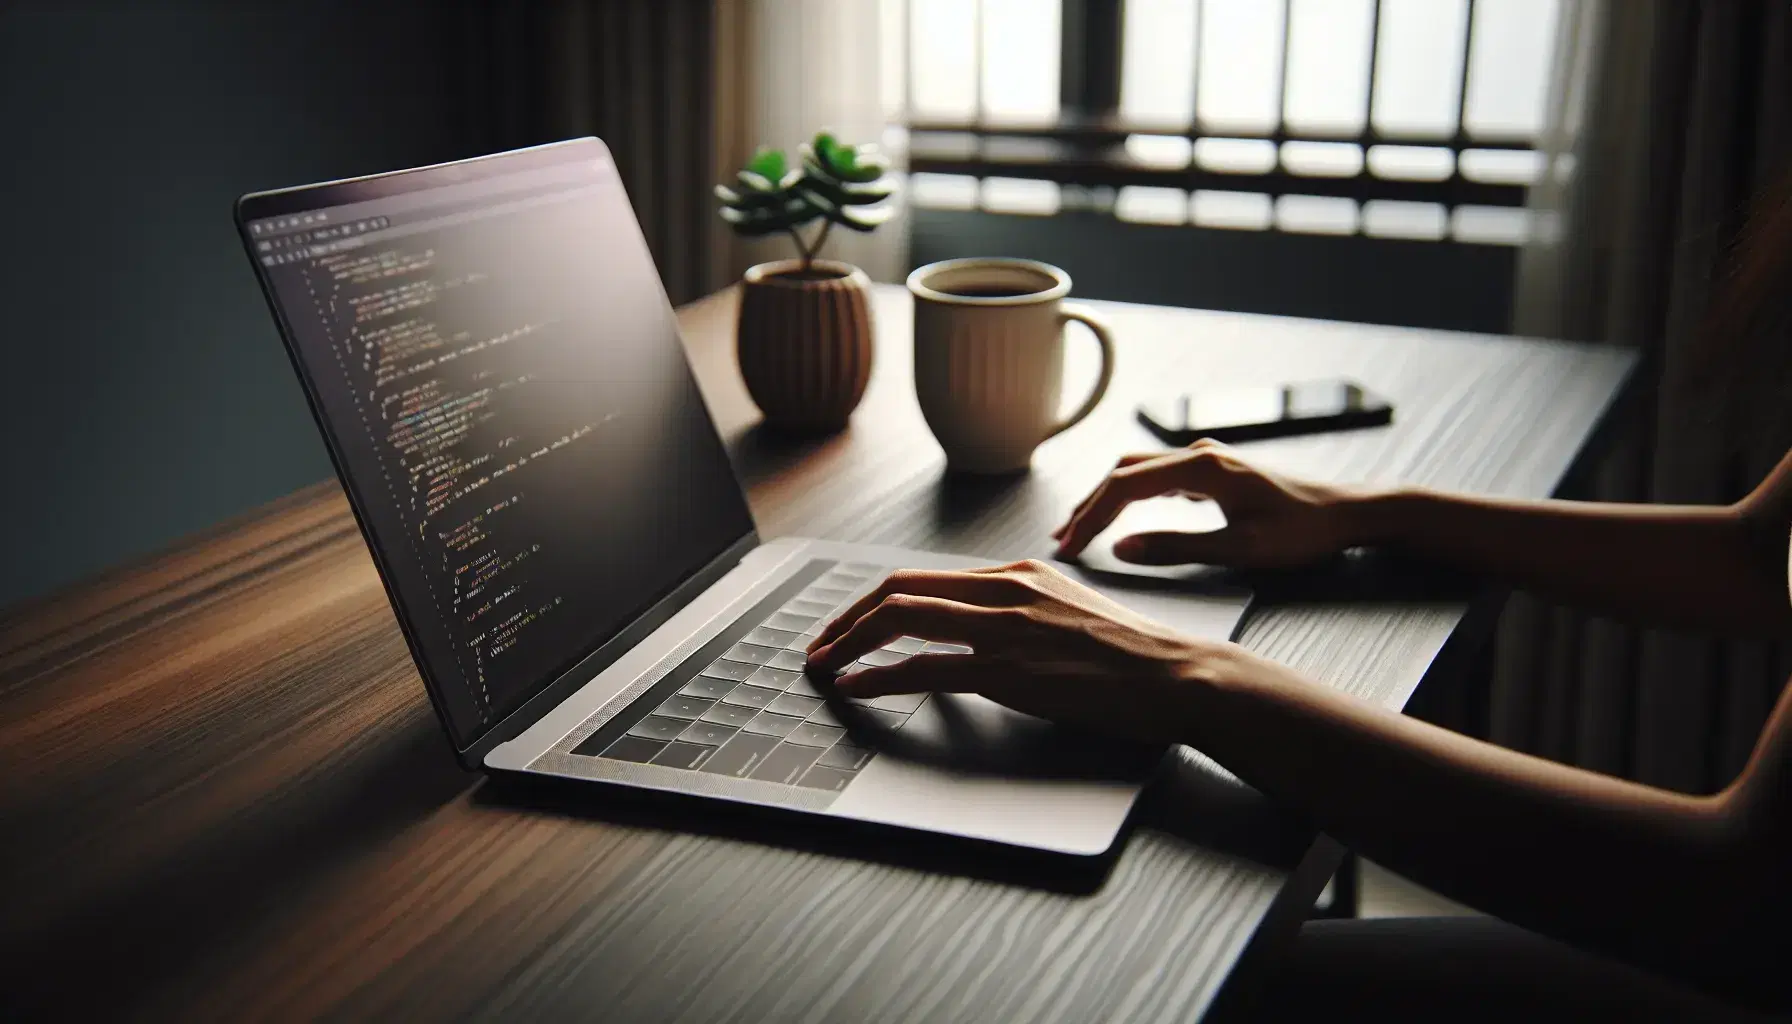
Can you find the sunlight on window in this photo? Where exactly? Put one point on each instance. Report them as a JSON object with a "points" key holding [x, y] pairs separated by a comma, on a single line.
{"points": [[1394, 218], [1240, 69], [1160, 150], [1508, 67], [1418, 67], [1157, 62], [1020, 60], [892, 74], [1328, 65], [1236, 156], [1237, 211], [943, 191], [1501, 166], [1316, 215], [1411, 163], [1323, 159], [1491, 225], [943, 58], [1149, 204], [1020, 195]]}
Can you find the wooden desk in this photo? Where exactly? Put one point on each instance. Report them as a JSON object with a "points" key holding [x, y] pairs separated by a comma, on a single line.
{"points": [[224, 794]]}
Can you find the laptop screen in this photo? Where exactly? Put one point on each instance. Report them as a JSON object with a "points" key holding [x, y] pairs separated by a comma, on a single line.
{"points": [[493, 358]]}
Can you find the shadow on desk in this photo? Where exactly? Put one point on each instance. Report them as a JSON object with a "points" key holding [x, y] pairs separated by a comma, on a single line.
{"points": [[163, 917]]}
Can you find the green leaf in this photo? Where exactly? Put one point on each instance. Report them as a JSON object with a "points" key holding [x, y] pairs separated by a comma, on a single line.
{"points": [[749, 200], [863, 220], [843, 194], [854, 217], [755, 182], [792, 212], [768, 163], [865, 166]]}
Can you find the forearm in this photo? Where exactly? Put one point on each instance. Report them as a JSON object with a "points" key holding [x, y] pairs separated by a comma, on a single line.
{"points": [[1649, 876], [1697, 566]]}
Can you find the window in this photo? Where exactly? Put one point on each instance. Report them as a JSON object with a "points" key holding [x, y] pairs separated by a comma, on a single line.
{"points": [[1397, 118]]}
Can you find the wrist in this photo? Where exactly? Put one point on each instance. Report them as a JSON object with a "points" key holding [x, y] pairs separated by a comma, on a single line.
{"points": [[1373, 516]]}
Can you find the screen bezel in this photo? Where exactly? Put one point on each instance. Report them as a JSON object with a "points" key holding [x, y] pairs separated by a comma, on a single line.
{"points": [[254, 206]]}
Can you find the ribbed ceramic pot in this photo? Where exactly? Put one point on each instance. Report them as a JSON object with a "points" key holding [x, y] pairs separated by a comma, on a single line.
{"points": [[805, 342]]}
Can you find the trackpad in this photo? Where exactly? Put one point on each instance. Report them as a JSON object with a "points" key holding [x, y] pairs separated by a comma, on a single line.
{"points": [[967, 766], [968, 734]]}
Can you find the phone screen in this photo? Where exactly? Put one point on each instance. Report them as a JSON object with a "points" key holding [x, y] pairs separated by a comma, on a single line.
{"points": [[1244, 406], [1265, 411]]}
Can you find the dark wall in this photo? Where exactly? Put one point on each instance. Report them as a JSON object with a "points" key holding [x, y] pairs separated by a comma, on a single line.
{"points": [[147, 392], [1374, 280]]}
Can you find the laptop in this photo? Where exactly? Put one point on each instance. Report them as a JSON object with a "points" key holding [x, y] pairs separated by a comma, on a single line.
{"points": [[499, 378]]}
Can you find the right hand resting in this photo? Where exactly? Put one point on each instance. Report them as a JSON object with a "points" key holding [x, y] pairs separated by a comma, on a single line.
{"points": [[1272, 521]]}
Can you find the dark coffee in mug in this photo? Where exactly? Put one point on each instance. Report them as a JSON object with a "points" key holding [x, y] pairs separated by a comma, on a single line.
{"points": [[988, 291]]}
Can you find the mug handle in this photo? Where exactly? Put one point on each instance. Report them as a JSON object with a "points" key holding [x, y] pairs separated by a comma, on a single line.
{"points": [[1103, 337]]}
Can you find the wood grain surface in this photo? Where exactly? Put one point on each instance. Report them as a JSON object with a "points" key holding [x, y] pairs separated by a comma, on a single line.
{"points": [[224, 794]]}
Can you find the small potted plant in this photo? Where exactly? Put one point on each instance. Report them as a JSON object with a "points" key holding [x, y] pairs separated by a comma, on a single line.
{"points": [[804, 336]]}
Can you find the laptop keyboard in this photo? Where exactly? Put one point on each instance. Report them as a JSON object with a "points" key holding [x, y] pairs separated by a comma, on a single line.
{"points": [[751, 712]]}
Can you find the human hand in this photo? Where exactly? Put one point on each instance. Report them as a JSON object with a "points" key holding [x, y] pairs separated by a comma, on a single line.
{"points": [[1272, 521], [1039, 642]]}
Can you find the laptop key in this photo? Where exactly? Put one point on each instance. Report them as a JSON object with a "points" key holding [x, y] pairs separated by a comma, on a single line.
{"points": [[811, 735], [824, 777], [751, 654], [803, 686], [935, 647], [733, 715], [845, 757], [707, 688], [654, 727], [906, 645], [878, 659], [751, 696], [886, 719], [834, 597], [789, 661], [773, 678], [688, 756], [824, 715], [740, 755], [733, 670], [768, 724], [791, 704], [901, 703], [809, 609], [707, 734], [687, 708], [766, 637], [792, 622], [786, 764], [633, 748]]}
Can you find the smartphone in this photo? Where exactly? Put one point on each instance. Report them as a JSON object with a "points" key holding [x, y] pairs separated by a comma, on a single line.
{"points": [[1248, 414]]}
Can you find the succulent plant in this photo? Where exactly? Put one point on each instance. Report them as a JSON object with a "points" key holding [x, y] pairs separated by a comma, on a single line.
{"points": [[835, 182]]}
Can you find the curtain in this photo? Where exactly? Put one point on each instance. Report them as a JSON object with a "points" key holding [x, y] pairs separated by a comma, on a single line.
{"points": [[787, 69], [1667, 119], [682, 91]]}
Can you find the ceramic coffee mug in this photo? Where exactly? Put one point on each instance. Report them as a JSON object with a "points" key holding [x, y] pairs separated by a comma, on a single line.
{"points": [[989, 358]]}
